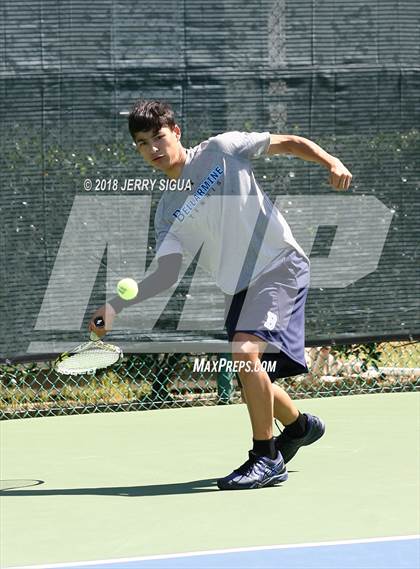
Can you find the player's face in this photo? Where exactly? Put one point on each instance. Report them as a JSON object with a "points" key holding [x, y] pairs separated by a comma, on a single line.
{"points": [[160, 149]]}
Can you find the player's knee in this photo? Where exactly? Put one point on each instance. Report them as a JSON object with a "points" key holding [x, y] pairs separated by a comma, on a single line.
{"points": [[244, 347]]}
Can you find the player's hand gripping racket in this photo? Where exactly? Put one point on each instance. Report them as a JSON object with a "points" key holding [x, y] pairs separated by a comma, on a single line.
{"points": [[90, 356]]}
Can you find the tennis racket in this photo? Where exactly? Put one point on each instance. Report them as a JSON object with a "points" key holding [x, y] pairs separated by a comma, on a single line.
{"points": [[89, 356]]}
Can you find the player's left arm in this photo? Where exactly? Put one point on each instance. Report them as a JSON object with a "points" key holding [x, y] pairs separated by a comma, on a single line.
{"points": [[340, 177]]}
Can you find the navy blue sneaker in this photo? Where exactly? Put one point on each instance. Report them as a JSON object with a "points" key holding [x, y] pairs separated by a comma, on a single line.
{"points": [[257, 472], [289, 446]]}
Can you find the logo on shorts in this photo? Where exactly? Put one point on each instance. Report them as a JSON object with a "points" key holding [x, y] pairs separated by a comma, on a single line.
{"points": [[271, 320]]}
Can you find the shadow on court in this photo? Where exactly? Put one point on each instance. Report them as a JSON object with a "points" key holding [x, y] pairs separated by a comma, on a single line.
{"points": [[192, 487]]}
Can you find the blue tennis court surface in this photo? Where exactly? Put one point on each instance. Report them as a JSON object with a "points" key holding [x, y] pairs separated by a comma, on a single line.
{"points": [[385, 553]]}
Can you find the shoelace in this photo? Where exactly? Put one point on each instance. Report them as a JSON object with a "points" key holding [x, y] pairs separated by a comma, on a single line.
{"points": [[277, 425], [248, 464]]}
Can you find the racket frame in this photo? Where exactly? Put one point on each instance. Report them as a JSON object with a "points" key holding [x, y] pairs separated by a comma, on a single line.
{"points": [[94, 341]]}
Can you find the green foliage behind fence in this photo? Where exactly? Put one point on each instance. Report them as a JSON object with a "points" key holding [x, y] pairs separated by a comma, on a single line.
{"points": [[150, 381]]}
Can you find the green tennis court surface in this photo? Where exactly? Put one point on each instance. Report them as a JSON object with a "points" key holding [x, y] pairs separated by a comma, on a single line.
{"points": [[130, 485]]}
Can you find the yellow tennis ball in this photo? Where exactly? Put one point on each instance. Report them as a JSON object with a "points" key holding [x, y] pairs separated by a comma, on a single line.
{"points": [[127, 288]]}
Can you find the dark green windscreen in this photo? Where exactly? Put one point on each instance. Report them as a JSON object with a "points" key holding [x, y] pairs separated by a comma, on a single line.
{"points": [[345, 74]]}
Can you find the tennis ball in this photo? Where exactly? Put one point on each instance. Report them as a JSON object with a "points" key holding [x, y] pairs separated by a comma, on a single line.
{"points": [[127, 288]]}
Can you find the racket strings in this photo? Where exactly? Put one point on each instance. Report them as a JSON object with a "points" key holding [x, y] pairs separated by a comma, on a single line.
{"points": [[90, 358]]}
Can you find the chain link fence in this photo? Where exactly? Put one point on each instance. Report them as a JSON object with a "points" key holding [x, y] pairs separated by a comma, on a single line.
{"points": [[152, 381]]}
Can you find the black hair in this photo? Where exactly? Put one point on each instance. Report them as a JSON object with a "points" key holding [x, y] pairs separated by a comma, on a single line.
{"points": [[150, 115]]}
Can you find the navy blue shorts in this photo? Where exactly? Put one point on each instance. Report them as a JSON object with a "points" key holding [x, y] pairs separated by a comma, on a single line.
{"points": [[273, 308]]}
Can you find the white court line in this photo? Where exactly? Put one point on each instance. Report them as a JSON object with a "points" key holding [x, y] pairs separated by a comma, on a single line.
{"points": [[217, 552]]}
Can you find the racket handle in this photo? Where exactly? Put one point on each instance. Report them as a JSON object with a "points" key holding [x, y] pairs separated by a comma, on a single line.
{"points": [[99, 323]]}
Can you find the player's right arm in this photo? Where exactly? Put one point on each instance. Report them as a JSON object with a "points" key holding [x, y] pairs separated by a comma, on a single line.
{"points": [[164, 277]]}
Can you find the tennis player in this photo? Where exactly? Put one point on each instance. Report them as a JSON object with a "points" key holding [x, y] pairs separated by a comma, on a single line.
{"points": [[248, 248]]}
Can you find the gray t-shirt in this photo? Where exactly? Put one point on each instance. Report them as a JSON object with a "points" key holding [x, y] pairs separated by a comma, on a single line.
{"points": [[240, 232]]}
